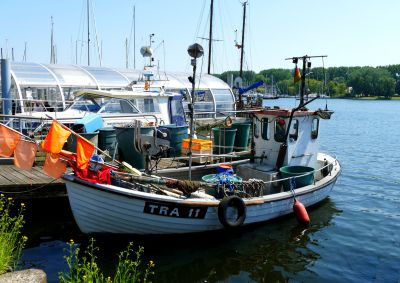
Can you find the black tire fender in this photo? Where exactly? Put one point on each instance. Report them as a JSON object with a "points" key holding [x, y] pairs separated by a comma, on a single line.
{"points": [[231, 201]]}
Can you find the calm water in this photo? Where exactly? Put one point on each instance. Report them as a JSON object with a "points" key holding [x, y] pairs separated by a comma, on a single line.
{"points": [[354, 235]]}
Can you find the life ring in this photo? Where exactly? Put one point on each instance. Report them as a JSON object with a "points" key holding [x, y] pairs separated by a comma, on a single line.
{"points": [[234, 202]]}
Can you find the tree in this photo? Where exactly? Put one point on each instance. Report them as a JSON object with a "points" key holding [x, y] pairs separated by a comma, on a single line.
{"points": [[369, 81]]}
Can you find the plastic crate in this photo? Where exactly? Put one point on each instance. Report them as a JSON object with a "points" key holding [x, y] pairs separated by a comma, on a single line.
{"points": [[199, 146]]}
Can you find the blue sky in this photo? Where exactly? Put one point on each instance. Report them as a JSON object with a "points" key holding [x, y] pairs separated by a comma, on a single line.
{"points": [[350, 32]]}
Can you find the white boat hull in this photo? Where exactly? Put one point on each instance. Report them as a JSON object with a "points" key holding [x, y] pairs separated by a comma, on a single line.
{"points": [[111, 209]]}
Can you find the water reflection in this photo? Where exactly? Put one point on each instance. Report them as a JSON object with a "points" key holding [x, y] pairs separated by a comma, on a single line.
{"points": [[272, 251]]}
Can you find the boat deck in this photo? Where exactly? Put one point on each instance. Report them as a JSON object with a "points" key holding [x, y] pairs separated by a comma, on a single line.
{"points": [[21, 184]]}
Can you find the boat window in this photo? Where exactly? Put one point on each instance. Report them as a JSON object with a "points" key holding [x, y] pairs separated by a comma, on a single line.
{"points": [[128, 107], [182, 91], [203, 95], [294, 130], [280, 130], [85, 104], [256, 127], [264, 129], [177, 112], [111, 106], [147, 105], [314, 128]]}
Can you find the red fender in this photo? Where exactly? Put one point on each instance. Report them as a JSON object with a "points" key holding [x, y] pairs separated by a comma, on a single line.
{"points": [[300, 212]]}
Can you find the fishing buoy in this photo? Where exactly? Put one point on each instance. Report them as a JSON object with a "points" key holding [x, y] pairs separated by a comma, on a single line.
{"points": [[301, 212]]}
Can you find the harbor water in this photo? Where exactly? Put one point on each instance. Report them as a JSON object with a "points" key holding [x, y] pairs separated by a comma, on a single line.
{"points": [[354, 235]]}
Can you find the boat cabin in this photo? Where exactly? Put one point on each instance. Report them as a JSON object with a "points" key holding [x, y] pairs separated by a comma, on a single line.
{"points": [[271, 136], [116, 107], [270, 129]]}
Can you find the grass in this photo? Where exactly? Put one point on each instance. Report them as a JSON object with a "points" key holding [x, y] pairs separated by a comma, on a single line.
{"points": [[83, 267], [11, 240]]}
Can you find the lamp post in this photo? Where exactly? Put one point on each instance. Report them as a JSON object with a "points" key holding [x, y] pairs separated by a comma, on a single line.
{"points": [[195, 51]]}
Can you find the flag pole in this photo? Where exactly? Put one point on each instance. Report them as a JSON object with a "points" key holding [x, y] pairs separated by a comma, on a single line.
{"points": [[15, 131], [83, 138]]}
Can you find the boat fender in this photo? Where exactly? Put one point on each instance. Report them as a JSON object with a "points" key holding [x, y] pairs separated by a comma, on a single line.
{"points": [[300, 212], [231, 202]]}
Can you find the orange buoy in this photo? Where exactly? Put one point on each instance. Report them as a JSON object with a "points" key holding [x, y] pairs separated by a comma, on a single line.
{"points": [[300, 212]]}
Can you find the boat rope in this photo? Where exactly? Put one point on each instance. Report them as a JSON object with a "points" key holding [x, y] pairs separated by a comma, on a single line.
{"points": [[30, 190]]}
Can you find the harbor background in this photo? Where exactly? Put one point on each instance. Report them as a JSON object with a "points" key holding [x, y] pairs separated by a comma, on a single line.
{"points": [[353, 235]]}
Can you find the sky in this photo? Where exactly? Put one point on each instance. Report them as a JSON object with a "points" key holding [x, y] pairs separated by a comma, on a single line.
{"points": [[349, 32]]}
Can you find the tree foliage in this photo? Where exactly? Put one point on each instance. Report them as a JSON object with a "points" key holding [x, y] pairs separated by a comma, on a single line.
{"points": [[334, 81]]}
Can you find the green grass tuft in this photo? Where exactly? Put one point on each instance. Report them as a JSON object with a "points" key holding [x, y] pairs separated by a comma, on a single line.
{"points": [[11, 240], [83, 268]]}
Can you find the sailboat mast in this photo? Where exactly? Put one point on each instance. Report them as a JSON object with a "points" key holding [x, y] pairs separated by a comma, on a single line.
{"points": [[88, 34], [210, 36], [134, 38], [242, 49]]}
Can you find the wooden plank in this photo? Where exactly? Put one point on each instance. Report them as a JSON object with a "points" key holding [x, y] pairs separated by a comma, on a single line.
{"points": [[4, 179], [14, 175], [32, 178]]}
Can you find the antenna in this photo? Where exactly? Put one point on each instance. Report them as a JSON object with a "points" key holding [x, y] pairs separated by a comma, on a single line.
{"points": [[306, 62]]}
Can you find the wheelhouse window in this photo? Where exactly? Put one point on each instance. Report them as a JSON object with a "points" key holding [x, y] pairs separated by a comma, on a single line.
{"points": [[256, 127], [280, 130], [264, 129], [314, 128], [294, 130], [148, 105]]}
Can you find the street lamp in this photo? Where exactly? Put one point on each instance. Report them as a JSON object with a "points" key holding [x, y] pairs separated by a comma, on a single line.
{"points": [[195, 51]]}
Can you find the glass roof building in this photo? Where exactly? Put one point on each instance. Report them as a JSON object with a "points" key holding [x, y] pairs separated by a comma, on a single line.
{"points": [[57, 83]]}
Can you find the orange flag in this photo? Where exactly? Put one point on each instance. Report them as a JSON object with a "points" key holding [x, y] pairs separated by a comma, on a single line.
{"points": [[84, 150], [8, 141], [24, 154], [56, 138], [54, 166], [297, 75]]}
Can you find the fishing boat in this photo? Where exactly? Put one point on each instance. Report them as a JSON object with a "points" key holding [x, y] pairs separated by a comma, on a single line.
{"points": [[286, 174]]}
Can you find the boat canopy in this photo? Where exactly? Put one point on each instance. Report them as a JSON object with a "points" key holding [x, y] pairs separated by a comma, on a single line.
{"points": [[57, 84]]}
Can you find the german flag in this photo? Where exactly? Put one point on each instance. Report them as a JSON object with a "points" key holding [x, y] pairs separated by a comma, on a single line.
{"points": [[297, 75]]}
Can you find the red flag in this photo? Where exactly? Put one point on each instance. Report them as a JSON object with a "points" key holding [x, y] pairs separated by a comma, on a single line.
{"points": [[8, 140], [84, 150], [297, 75], [54, 166], [56, 138], [24, 154]]}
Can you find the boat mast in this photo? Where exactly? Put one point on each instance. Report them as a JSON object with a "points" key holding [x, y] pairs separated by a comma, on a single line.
{"points": [[88, 34], [242, 50], [306, 63], [134, 38], [210, 36], [52, 42], [240, 104]]}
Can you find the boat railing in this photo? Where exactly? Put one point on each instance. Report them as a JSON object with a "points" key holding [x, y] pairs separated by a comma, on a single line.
{"points": [[30, 125], [328, 166], [29, 105]]}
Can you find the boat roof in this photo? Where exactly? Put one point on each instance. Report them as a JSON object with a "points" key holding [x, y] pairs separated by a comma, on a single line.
{"points": [[122, 94]]}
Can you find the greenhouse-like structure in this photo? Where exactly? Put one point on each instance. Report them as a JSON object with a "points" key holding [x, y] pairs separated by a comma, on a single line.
{"points": [[56, 85]]}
